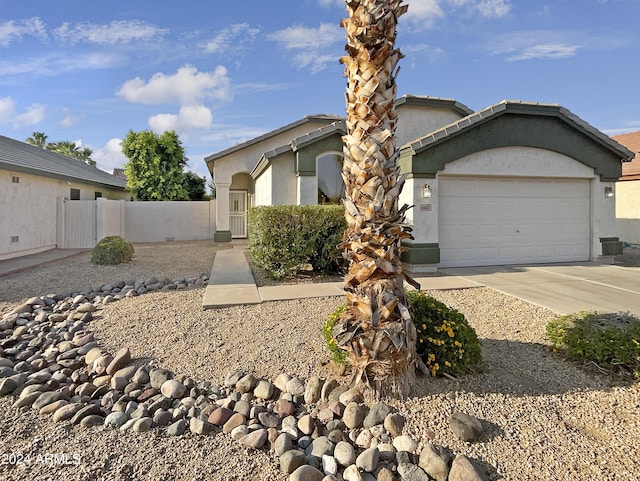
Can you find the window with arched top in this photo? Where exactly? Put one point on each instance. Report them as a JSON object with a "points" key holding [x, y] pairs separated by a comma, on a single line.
{"points": [[330, 184]]}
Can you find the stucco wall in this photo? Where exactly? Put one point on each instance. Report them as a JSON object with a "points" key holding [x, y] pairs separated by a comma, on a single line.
{"points": [[283, 181], [28, 210], [161, 221], [263, 187], [414, 122], [627, 195]]}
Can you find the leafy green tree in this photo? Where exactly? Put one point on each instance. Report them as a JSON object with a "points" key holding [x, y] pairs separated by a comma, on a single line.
{"points": [[155, 167], [195, 186]]}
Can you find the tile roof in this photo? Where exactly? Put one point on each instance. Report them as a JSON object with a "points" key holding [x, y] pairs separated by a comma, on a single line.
{"points": [[21, 157], [519, 107], [631, 140]]}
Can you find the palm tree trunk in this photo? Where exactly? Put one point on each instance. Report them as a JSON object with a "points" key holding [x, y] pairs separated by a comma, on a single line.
{"points": [[376, 328]]}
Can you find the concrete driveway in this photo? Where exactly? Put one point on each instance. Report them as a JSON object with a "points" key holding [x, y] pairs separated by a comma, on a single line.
{"points": [[563, 288]]}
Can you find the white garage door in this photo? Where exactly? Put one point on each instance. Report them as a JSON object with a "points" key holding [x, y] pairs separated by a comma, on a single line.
{"points": [[491, 221]]}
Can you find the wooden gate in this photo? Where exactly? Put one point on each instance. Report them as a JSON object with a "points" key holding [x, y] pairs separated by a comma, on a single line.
{"points": [[78, 224]]}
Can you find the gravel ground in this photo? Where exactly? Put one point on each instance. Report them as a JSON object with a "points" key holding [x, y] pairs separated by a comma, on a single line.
{"points": [[545, 419]]}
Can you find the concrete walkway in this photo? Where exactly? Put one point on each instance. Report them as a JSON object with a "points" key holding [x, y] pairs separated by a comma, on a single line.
{"points": [[231, 283], [19, 264]]}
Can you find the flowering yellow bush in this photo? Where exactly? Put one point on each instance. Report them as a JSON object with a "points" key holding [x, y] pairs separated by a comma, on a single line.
{"points": [[446, 342]]}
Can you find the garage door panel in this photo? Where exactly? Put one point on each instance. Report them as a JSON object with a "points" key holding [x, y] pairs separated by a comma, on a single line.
{"points": [[485, 221]]}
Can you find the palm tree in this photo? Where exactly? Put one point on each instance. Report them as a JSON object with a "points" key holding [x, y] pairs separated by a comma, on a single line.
{"points": [[376, 329], [38, 139], [70, 149]]}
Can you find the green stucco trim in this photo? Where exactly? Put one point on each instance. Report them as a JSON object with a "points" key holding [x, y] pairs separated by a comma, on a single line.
{"points": [[222, 236], [307, 154], [611, 246], [513, 130], [421, 253]]}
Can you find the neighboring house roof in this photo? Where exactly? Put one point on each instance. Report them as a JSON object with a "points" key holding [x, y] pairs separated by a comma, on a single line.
{"points": [[119, 173], [21, 157], [518, 136], [309, 118], [631, 140], [434, 102]]}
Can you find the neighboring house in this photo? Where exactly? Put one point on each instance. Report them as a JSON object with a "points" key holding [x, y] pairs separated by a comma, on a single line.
{"points": [[628, 191], [119, 173], [514, 183], [33, 184]]}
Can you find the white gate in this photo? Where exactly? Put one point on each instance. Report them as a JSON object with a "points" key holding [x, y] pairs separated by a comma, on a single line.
{"points": [[79, 224], [238, 213]]}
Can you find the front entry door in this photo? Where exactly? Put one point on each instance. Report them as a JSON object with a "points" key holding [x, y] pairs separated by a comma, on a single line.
{"points": [[238, 213]]}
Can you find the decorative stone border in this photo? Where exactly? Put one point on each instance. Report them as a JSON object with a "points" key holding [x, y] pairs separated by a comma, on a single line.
{"points": [[319, 429]]}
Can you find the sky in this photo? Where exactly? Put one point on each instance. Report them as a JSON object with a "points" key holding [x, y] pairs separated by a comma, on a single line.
{"points": [[222, 72]]}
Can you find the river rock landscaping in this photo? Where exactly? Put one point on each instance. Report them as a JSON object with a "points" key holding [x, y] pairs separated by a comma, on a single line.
{"points": [[152, 387]]}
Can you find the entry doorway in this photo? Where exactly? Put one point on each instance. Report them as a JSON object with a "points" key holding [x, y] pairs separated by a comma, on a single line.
{"points": [[238, 214]]}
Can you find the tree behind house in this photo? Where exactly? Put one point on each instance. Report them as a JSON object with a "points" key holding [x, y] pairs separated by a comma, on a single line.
{"points": [[155, 167], [64, 147]]}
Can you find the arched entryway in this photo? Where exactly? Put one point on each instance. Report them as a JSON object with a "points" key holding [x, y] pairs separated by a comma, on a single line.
{"points": [[330, 184]]}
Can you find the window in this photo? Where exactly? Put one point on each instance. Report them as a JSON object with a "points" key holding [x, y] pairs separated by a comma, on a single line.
{"points": [[98, 194], [330, 183], [15, 179], [74, 194]]}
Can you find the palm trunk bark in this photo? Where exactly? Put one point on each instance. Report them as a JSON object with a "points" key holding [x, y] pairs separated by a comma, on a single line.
{"points": [[376, 328]]}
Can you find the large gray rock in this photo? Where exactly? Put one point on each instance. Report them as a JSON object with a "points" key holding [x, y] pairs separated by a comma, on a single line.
{"points": [[344, 453], [46, 398], [115, 419], [354, 415], [158, 377], [7, 386], [435, 462], [178, 428], [465, 426], [264, 390], [376, 414], [394, 424], [368, 460], [313, 390], [120, 360], [295, 386], [254, 440], [463, 469], [246, 384], [412, 472], [292, 460], [306, 473], [173, 389], [282, 444], [319, 447]]}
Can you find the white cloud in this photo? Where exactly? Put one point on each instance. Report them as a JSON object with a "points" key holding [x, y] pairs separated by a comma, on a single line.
{"points": [[330, 3], [421, 50], [545, 51], [116, 32], [187, 86], [110, 156], [7, 109], [313, 46], [69, 119], [58, 63], [494, 8], [14, 30], [34, 114], [190, 117], [539, 45], [231, 38], [298, 37], [423, 13]]}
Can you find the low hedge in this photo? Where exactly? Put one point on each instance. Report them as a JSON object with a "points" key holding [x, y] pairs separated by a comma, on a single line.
{"points": [[283, 238]]}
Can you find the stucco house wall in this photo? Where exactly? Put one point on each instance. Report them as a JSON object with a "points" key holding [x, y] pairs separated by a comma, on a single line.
{"points": [[414, 121], [628, 211], [28, 210]]}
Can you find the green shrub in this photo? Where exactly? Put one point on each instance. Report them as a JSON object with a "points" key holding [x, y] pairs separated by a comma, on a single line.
{"points": [[610, 341], [112, 250], [282, 238], [446, 342]]}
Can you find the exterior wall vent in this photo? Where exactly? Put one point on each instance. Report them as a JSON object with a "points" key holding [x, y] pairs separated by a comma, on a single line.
{"points": [[15, 239], [15, 179]]}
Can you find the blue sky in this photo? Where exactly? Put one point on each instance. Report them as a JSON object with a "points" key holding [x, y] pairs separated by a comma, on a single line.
{"points": [[222, 72]]}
